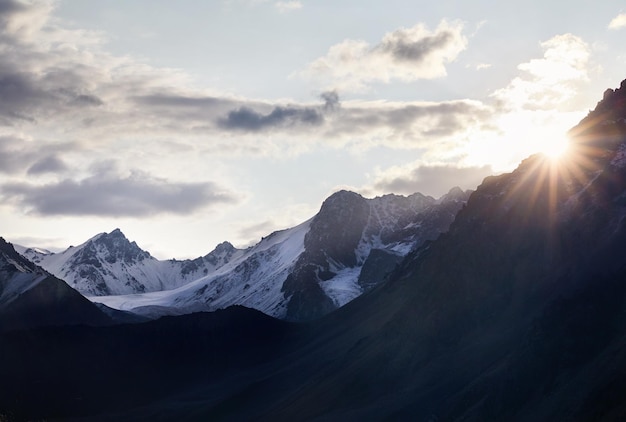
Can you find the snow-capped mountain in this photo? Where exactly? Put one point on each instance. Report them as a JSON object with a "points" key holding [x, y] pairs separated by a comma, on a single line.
{"points": [[109, 264], [309, 270]]}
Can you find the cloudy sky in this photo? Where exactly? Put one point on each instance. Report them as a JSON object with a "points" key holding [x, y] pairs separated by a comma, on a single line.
{"points": [[192, 122]]}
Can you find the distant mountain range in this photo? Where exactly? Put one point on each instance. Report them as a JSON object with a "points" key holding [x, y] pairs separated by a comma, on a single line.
{"points": [[515, 313], [300, 273]]}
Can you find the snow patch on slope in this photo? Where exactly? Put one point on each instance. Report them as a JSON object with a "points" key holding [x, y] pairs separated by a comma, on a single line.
{"points": [[343, 287]]}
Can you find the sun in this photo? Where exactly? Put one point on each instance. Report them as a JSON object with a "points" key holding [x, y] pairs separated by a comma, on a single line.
{"points": [[555, 147]]}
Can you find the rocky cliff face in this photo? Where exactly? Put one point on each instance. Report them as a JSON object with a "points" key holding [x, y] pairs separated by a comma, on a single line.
{"points": [[354, 243]]}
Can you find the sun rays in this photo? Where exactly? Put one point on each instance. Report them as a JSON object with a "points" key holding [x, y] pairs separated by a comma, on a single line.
{"points": [[557, 184]]}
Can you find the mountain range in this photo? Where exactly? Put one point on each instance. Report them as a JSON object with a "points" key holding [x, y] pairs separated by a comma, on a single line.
{"points": [[515, 313], [300, 273]]}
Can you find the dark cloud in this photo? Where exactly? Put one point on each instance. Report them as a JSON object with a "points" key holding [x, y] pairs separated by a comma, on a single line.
{"points": [[405, 54], [434, 180], [20, 94], [247, 119], [104, 194], [402, 47], [35, 81], [18, 155], [173, 100], [331, 100], [9, 7], [49, 164], [29, 95], [87, 100], [412, 122]]}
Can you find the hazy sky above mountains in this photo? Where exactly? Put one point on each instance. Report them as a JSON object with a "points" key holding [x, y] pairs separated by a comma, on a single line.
{"points": [[188, 123]]}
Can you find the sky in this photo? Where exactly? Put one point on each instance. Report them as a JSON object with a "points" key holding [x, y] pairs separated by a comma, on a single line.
{"points": [[190, 123]]}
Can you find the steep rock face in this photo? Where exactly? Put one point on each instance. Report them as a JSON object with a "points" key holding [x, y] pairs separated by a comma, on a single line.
{"points": [[354, 243], [329, 245], [336, 230], [30, 297]]}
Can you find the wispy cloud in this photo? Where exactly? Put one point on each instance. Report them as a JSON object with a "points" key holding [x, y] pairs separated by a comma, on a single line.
{"points": [[406, 54], [618, 22]]}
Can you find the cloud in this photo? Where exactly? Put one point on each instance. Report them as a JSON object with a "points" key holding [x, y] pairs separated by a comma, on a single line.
{"points": [[48, 164], [18, 154], [287, 6], [247, 119], [255, 231], [409, 125], [618, 22], [23, 19], [42, 72], [108, 194], [59, 84], [434, 180], [406, 54], [331, 100], [551, 81]]}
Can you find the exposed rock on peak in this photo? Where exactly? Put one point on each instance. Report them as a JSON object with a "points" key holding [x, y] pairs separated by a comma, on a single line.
{"points": [[115, 246], [354, 243], [336, 230]]}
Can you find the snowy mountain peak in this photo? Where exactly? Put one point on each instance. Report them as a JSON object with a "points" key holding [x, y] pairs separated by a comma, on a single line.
{"points": [[113, 247], [223, 248]]}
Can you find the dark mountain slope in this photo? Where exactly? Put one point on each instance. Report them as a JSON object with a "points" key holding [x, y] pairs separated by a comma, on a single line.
{"points": [[30, 297], [85, 371], [516, 312]]}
